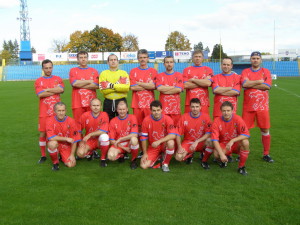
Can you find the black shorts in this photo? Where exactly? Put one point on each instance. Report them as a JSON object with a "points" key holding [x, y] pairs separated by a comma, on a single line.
{"points": [[110, 106]]}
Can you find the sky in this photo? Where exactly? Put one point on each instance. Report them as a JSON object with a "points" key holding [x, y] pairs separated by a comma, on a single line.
{"points": [[241, 26]]}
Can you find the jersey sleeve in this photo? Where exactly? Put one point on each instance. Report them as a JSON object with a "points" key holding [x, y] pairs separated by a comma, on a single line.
{"points": [[123, 84], [185, 75], [158, 80], [215, 135], [267, 77], [38, 87], [102, 77], [180, 126], [171, 129], [50, 129], [145, 131], [96, 77], [237, 83], [112, 131], [242, 128], [132, 78], [134, 126], [214, 82], [75, 134], [72, 76], [180, 82], [104, 126], [208, 125]]}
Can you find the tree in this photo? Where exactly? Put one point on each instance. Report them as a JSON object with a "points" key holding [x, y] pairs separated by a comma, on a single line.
{"points": [[58, 45], [33, 50], [207, 49], [177, 42], [198, 46], [216, 52], [5, 54], [78, 41], [12, 48], [130, 43]]}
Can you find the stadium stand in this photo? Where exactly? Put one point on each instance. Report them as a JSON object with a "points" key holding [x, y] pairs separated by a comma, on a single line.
{"points": [[32, 72]]}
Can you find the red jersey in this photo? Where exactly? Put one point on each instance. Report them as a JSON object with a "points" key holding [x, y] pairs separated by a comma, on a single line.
{"points": [[197, 72], [46, 104], [255, 99], [194, 128], [170, 103], [82, 97], [225, 80], [92, 124], [154, 130], [122, 127], [223, 131], [142, 99], [65, 128]]}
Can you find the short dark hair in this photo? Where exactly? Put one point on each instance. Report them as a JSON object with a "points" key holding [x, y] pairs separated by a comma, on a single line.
{"points": [[155, 103], [112, 55], [57, 104], [82, 53], [197, 52], [195, 100], [229, 59], [169, 57], [46, 61], [122, 102], [226, 103], [142, 51]]}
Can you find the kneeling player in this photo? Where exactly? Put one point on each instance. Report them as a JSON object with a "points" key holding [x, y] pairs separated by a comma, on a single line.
{"points": [[196, 128], [230, 135], [160, 132], [63, 136], [123, 135], [95, 123]]}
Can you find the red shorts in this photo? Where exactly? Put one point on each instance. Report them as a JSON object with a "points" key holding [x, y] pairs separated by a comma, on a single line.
{"points": [[42, 124], [175, 117], [124, 144], [93, 143], [77, 112], [204, 109], [65, 150], [141, 114], [154, 153], [262, 119], [186, 144], [235, 148]]}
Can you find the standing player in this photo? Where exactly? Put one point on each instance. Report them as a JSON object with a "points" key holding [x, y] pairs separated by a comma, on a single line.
{"points": [[226, 87], [257, 82], [48, 88], [123, 135], [170, 85], [114, 85], [63, 136], [196, 128], [196, 82], [84, 81], [95, 123], [160, 132], [230, 135]]}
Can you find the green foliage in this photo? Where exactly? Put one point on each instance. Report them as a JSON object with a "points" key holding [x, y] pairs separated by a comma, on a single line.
{"points": [[87, 194], [130, 43], [99, 39], [198, 46], [216, 52], [10, 50], [207, 49], [177, 41]]}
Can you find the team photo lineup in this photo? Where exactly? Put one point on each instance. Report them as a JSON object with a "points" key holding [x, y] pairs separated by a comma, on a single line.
{"points": [[157, 131]]}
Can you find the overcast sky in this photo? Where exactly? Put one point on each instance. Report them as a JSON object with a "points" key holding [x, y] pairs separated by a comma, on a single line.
{"points": [[242, 26]]}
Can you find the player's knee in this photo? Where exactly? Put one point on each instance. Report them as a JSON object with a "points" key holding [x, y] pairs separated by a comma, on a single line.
{"points": [[209, 143], [70, 164], [179, 157], [134, 141], [80, 152], [52, 144], [104, 140], [111, 155], [144, 165], [170, 144], [216, 154], [245, 144]]}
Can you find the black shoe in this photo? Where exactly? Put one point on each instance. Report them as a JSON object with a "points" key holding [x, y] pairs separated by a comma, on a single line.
{"points": [[140, 155], [121, 159], [96, 155], [215, 160], [103, 163], [126, 156], [189, 161], [223, 164], [201, 156], [42, 159], [89, 157], [55, 167], [133, 165], [242, 171], [268, 158], [230, 159], [205, 165]]}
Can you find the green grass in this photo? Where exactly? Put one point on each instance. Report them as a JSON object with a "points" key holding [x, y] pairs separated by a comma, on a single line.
{"points": [[87, 194]]}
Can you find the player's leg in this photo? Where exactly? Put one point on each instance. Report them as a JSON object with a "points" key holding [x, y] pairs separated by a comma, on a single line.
{"points": [[249, 118], [153, 154], [42, 139], [65, 152], [207, 153], [263, 122], [140, 115], [217, 156], [168, 154], [115, 153], [109, 108], [180, 156], [243, 153], [83, 149], [104, 146], [53, 152], [134, 150]]}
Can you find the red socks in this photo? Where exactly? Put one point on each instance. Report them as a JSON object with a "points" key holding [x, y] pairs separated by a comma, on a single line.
{"points": [[42, 143], [243, 158], [168, 156], [266, 141], [53, 155], [207, 153]]}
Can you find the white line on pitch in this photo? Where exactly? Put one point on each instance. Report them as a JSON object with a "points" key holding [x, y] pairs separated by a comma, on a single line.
{"points": [[288, 91]]}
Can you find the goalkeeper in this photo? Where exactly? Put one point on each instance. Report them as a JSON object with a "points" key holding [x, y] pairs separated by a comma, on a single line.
{"points": [[114, 85]]}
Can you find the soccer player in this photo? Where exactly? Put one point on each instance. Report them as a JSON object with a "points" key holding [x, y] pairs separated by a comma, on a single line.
{"points": [[114, 84], [63, 135], [123, 135], [159, 131], [84, 81], [196, 129], [226, 87], [170, 85], [230, 135], [257, 82], [196, 82], [95, 123], [48, 88]]}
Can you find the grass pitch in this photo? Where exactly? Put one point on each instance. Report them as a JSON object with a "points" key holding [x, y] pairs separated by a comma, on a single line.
{"points": [[87, 194]]}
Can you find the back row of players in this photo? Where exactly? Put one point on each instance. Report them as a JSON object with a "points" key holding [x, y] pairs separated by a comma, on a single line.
{"points": [[159, 123]]}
